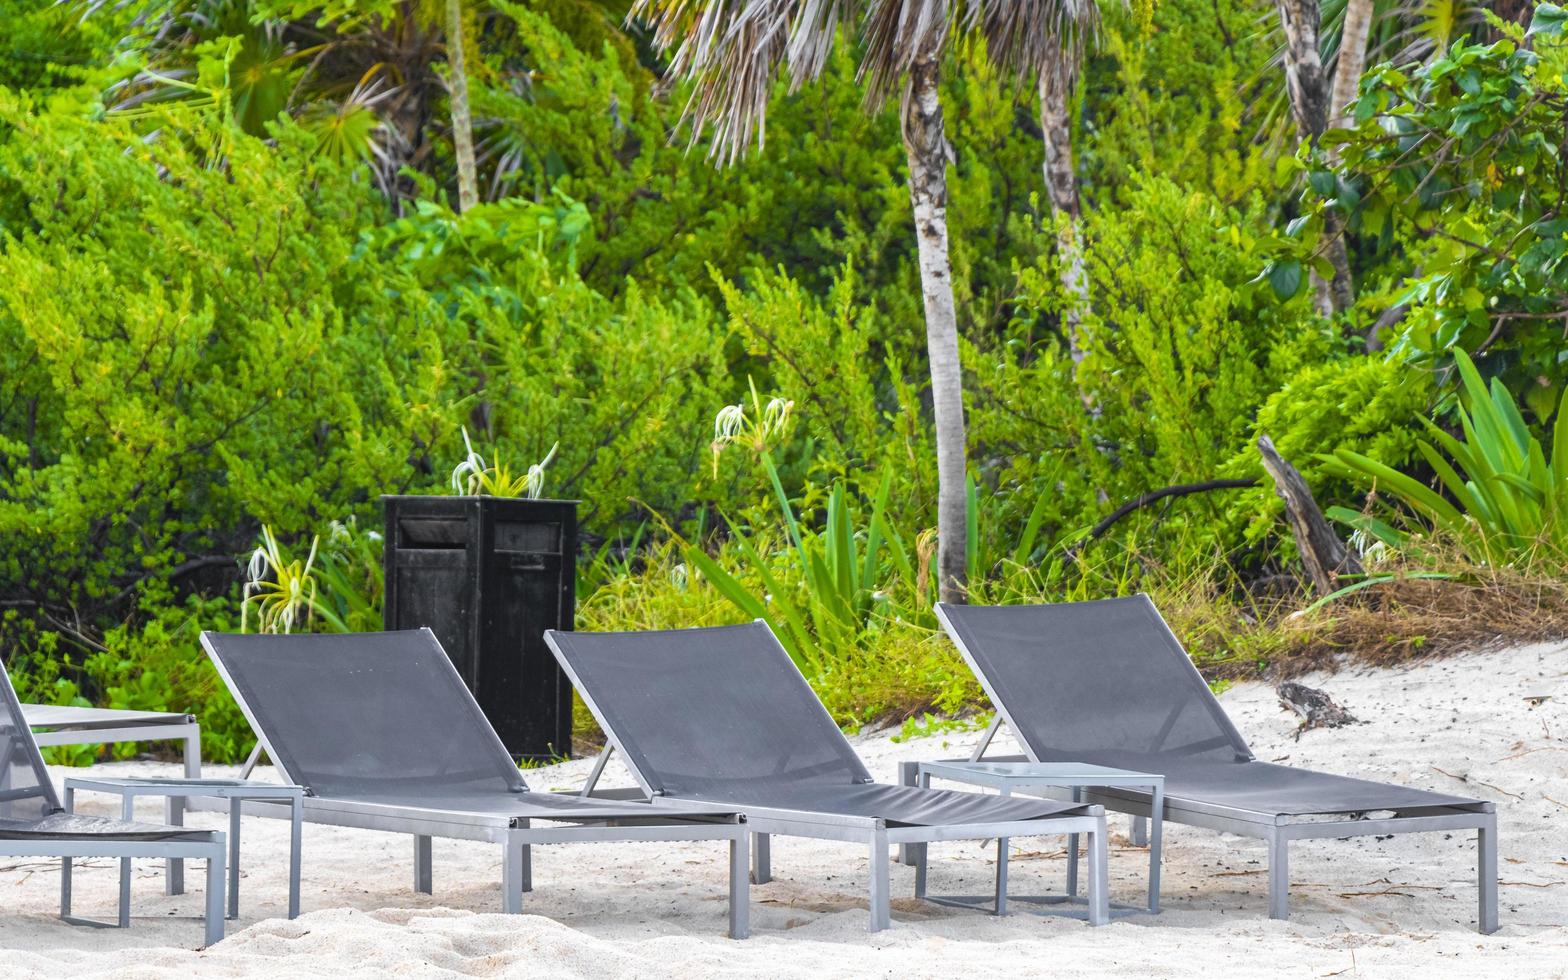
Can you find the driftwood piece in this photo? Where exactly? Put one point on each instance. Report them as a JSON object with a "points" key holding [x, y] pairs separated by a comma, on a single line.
{"points": [[1145, 499], [1321, 550]]}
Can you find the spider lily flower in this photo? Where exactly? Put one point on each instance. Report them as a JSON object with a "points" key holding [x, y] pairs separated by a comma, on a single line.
{"points": [[776, 416], [468, 476], [732, 424], [533, 483], [729, 423]]}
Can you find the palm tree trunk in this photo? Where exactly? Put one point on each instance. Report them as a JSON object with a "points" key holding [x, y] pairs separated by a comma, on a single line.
{"points": [[462, 121], [1309, 103], [1061, 183], [1347, 81], [1352, 60], [925, 142]]}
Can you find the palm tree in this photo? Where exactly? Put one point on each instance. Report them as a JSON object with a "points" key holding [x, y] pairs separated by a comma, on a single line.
{"points": [[1043, 42], [733, 52], [462, 118], [364, 78], [1352, 65], [1307, 85], [1351, 32]]}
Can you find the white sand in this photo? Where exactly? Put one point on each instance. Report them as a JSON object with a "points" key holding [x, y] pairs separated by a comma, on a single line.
{"points": [[1360, 908]]}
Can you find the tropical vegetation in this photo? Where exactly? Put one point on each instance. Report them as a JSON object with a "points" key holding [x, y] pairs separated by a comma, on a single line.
{"points": [[823, 310]]}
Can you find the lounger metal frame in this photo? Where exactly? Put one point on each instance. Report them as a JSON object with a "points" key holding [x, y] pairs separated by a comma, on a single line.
{"points": [[875, 833], [515, 834], [193, 844], [1278, 830], [211, 849], [75, 725]]}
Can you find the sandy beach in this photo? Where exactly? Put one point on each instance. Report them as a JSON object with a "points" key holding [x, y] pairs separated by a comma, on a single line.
{"points": [[1366, 907]]}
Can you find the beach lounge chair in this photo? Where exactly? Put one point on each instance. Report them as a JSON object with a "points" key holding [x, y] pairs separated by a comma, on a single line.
{"points": [[1107, 683], [721, 716], [382, 735], [69, 724], [34, 824]]}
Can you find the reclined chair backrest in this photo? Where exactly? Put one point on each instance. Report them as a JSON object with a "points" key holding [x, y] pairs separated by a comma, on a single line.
{"points": [[1077, 680], [351, 715], [26, 792], [719, 713]]}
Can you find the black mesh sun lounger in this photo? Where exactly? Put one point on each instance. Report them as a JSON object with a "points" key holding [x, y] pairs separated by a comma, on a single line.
{"points": [[34, 824], [721, 716], [1107, 683], [381, 733]]}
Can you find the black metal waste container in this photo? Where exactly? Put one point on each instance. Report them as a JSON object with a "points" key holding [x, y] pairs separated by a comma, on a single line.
{"points": [[488, 575]]}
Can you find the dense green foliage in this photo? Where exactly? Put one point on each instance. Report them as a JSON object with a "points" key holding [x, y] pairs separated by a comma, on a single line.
{"points": [[221, 310]]}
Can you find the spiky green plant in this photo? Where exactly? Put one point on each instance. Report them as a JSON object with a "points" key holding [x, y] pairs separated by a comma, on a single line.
{"points": [[833, 587], [474, 476], [822, 602], [1505, 498], [351, 577]]}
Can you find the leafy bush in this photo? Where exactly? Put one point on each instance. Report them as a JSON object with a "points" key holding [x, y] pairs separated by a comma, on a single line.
{"points": [[213, 320], [1455, 168]]}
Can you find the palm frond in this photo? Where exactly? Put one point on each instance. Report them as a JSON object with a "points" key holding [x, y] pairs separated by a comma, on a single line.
{"points": [[1024, 38], [811, 39], [896, 34], [732, 50]]}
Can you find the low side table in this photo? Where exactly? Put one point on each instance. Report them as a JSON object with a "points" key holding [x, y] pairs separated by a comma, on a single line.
{"points": [[236, 791], [1006, 777]]}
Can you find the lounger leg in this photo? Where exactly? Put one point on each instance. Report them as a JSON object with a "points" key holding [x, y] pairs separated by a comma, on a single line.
{"points": [[127, 809], [1099, 876], [1138, 832], [740, 890], [174, 868], [1001, 867], [1072, 852], [296, 815], [422, 877], [215, 894], [527, 872], [881, 914], [1279, 877], [192, 755], [915, 853], [761, 859], [174, 809], [908, 775], [1156, 847], [513, 856], [1001, 876], [65, 888], [65, 863], [1486, 874], [234, 858]]}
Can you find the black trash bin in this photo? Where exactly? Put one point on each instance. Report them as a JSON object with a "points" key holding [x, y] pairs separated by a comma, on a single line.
{"points": [[488, 575]]}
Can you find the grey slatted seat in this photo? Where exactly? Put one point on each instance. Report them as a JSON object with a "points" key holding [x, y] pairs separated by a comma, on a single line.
{"points": [[34, 824], [380, 731], [1106, 682], [722, 716]]}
